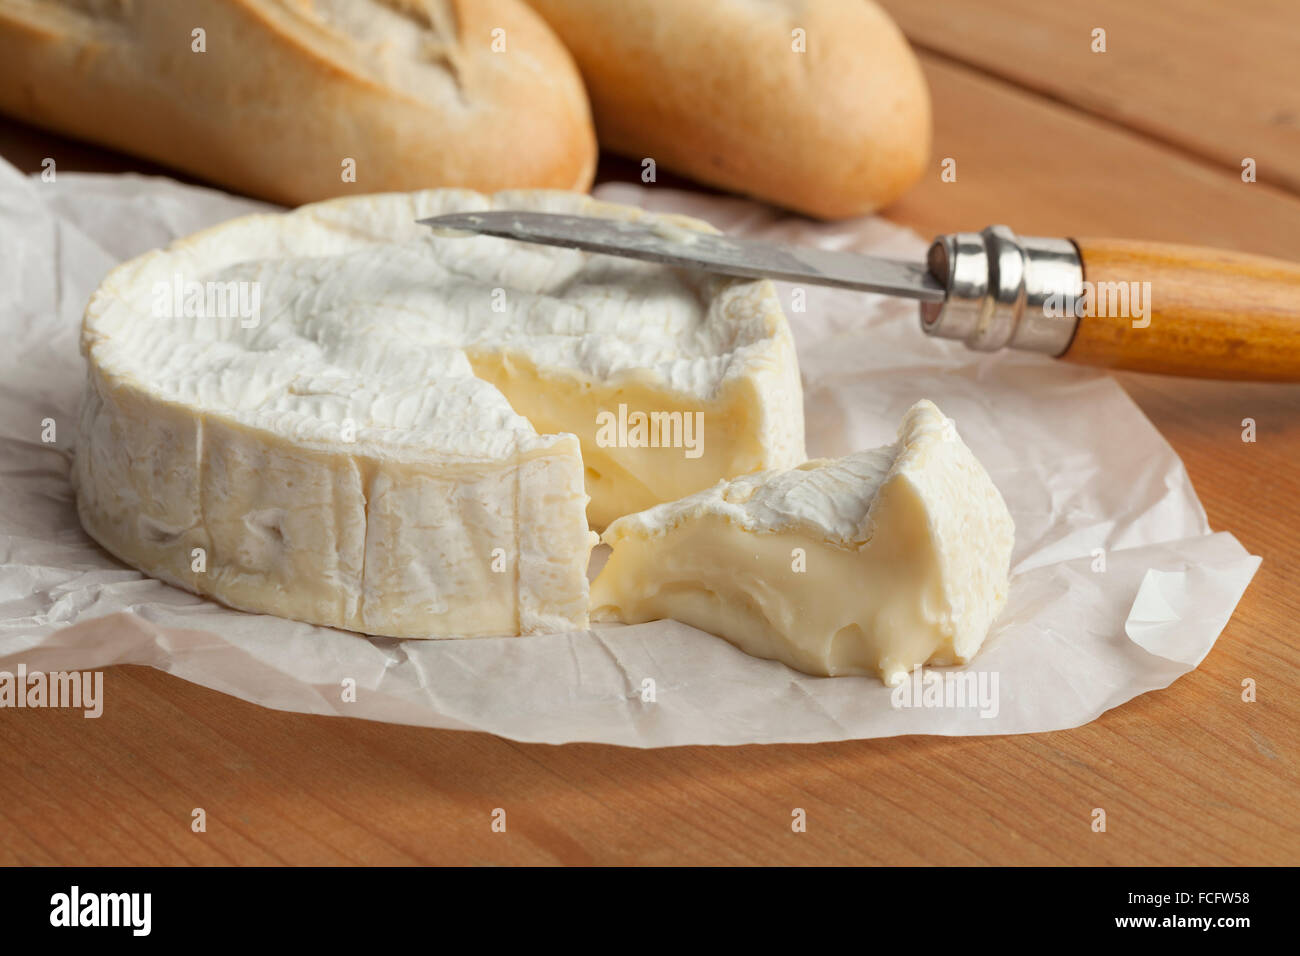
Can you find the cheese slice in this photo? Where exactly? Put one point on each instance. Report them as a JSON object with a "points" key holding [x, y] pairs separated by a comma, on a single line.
{"points": [[337, 416], [876, 563]]}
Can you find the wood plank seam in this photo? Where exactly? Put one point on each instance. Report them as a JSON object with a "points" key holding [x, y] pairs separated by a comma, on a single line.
{"points": [[1184, 149]]}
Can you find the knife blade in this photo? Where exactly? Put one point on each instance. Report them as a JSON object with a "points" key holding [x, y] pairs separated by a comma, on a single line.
{"points": [[686, 248]]}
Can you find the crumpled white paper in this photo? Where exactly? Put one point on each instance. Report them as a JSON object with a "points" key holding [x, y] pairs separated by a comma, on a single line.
{"points": [[1119, 587]]}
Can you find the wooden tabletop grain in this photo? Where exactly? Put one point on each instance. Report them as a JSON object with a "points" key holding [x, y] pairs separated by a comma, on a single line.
{"points": [[1145, 140]]}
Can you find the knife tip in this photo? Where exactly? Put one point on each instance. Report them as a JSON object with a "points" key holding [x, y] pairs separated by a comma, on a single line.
{"points": [[456, 226]]}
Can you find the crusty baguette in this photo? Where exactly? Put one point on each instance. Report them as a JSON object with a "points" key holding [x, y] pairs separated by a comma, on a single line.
{"points": [[715, 90], [287, 90]]}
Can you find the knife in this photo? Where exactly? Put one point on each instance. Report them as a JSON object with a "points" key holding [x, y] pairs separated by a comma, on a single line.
{"points": [[1114, 303]]}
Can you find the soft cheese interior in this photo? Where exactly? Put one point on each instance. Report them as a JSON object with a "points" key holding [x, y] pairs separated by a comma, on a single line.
{"points": [[404, 438], [876, 563]]}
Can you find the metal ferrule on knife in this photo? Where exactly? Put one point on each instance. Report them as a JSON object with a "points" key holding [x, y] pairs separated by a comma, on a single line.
{"points": [[1005, 290]]}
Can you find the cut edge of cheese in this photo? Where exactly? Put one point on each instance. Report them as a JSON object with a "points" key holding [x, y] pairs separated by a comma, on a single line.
{"points": [[873, 564]]}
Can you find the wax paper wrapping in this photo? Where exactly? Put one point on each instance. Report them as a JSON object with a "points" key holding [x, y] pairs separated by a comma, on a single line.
{"points": [[1118, 586]]}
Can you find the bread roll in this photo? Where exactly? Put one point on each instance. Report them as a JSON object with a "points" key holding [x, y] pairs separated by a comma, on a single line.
{"points": [[288, 90], [717, 91]]}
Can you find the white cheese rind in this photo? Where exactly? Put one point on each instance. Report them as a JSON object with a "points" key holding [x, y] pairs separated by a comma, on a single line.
{"points": [[340, 461], [876, 563]]}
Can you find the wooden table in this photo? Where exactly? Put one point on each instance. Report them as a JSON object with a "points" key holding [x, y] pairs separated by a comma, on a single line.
{"points": [[1143, 141]]}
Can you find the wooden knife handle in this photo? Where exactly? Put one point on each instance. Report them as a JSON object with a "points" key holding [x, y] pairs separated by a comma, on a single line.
{"points": [[1206, 312]]}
